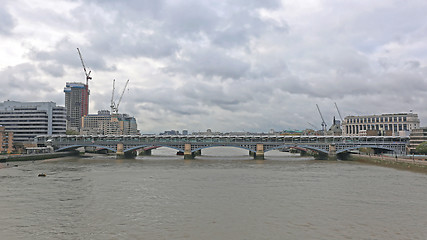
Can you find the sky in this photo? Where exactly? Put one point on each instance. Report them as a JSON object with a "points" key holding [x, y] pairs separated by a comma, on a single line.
{"points": [[229, 65]]}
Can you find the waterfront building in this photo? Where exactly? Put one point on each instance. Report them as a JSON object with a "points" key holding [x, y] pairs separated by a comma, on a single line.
{"points": [[397, 124], [29, 119], [76, 103], [6, 140], [92, 124], [104, 123], [417, 136]]}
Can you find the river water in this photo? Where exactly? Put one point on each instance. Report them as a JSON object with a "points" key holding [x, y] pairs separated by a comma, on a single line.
{"points": [[223, 194]]}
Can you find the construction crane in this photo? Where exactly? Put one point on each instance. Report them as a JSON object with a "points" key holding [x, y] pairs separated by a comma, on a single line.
{"points": [[339, 113], [115, 106], [323, 120], [314, 127], [87, 74]]}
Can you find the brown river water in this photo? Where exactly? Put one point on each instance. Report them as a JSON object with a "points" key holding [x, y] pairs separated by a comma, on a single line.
{"points": [[223, 194]]}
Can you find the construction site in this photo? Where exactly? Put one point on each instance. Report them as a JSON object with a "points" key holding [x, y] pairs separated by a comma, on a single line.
{"points": [[105, 122]]}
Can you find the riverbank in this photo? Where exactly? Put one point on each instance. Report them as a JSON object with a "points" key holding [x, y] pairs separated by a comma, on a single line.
{"points": [[33, 157], [403, 163]]}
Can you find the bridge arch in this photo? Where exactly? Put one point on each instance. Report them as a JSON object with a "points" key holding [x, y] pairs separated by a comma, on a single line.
{"points": [[308, 147], [228, 146], [73, 147], [365, 146], [148, 145]]}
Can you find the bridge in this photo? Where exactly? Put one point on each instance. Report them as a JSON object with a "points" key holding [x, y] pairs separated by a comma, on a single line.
{"points": [[257, 145]]}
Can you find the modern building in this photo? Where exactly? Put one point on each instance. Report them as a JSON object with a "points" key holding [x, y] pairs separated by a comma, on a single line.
{"points": [[398, 124], [104, 123], [6, 140], [76, 103], [29, 119], [417, 137], [92, 124]]}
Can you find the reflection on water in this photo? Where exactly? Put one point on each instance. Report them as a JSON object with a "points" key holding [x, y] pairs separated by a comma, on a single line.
{"points": [[223, 194]]}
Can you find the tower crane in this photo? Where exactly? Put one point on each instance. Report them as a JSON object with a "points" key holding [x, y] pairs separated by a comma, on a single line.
{"points": [[314, 127], [339, 113], [115, 106], [323, 120], [87, 74]]}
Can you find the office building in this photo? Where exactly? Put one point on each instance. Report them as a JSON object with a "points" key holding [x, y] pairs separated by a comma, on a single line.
{"points": [[6, 140], [76, 103], [398, 124], [104, 123], [417, 137], [92, 124], [29, 119]]}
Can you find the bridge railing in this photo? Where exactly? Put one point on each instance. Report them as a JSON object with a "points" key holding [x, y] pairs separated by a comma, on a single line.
{"points": [[217, 139]]}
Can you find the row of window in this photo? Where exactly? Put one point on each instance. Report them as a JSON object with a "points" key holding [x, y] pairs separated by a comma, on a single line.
{"points": [[376, 119], [386, 127]]}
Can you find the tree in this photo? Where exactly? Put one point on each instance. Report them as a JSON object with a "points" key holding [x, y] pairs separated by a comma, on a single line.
{"points": [[71, 132], [422, 148]]}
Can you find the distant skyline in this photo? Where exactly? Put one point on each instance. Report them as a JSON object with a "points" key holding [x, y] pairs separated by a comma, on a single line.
{"points": [[241, 65]]}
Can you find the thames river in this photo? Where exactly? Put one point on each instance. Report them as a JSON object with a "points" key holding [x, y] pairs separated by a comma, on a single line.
{"points": [[223, 194]]}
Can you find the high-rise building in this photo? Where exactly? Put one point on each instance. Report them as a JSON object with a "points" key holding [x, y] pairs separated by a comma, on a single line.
{"points": [[384, 124], [29, 119], [76, 103]]}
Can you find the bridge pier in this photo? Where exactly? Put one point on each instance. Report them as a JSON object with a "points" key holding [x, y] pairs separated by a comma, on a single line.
{"points": [[332, 155], [259, 154], [145, 152], [120, 153], [187, 152]]}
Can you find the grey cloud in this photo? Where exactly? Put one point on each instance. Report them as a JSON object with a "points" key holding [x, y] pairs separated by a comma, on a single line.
{"points": [[54, 70], [7, 22], [21, 83], [413, 64], [209, 63], [66, 53]]}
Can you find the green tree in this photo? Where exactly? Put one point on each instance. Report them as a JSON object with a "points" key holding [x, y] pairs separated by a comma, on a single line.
{"points": [[71, 132], [422, 148]]}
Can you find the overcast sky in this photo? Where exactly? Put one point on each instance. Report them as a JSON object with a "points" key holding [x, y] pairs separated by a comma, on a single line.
{"points": [[237, 65]]}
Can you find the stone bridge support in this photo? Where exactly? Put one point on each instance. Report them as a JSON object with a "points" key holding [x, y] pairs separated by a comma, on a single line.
{"points": [[187, 152], [120, 153], [332, 152], [259, 155]]}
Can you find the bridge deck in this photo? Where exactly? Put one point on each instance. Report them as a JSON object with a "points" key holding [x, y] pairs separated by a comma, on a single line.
{"points": [[270, 142]]}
